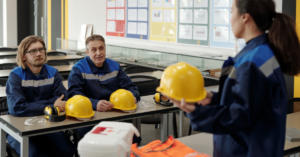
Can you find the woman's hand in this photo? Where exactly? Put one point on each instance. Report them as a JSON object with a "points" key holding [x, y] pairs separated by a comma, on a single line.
{"points": [[190, 107]]}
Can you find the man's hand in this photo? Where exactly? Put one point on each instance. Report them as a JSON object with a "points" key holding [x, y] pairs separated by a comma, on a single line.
{"points": [[104, 106], [135, 100], [60, 103]]}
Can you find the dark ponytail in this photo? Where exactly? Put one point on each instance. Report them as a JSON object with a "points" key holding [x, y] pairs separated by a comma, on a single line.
{"points": [[283, 37]]}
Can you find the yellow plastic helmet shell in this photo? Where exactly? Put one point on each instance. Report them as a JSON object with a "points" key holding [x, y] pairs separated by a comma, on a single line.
{"points": [[79, 106], [123, 99], [182, 80]]}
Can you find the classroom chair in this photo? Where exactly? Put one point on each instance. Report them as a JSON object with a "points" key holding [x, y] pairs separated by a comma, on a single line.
{"points": [[290, 107], [137, 69], [8, 66], [5, 49], [147, 86], [56, 53], [57, 63], [3, 82]]}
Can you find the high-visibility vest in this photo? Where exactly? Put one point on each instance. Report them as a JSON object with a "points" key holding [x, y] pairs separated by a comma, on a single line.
{"points": [[169, 148]]}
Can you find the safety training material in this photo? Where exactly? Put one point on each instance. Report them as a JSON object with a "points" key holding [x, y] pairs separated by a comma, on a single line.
{"points": [[182, 80], [53, 115], [111, 139], [170, 147], [79, 107], [161, 100], [123, 100]]}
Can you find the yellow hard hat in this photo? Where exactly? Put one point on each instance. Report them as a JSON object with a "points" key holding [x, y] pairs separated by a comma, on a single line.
{"points": [[80, 107], [123, 99], [182, 80]]}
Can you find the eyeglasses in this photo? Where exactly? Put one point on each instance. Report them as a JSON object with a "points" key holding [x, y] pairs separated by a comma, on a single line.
{"points": [[35, 51]]}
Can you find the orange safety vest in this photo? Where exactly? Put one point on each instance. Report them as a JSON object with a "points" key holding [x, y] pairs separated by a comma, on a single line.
{"points": [[170, 148]]}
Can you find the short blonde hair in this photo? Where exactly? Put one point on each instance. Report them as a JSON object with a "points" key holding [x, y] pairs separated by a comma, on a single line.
{"points": [[23, 48], [92, 38]]}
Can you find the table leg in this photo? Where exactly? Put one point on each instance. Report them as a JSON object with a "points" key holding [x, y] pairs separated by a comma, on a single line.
{"points": [[180, 123], [137, 123], [24, 146], [2, 143], [170, 124], [164, 127]]}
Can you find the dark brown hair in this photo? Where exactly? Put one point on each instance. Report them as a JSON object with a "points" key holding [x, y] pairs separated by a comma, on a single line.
{"points": [[283, 37], [92, 38], [23, 48]]}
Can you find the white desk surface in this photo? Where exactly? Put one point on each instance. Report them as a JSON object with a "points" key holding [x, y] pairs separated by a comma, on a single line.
{"points": [[67, 57], [202, 142], [61, 68]]}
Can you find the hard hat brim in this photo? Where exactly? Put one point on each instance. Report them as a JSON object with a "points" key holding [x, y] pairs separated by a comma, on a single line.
{"points": [[199, 98]]}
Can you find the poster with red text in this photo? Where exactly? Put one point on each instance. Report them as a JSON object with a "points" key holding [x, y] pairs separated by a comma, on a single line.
{"points": [[115, 18]]}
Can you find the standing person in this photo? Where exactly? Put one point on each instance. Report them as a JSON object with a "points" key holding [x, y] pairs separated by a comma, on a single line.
{"points": [[248, 115], [30, 88], [97, 77]]}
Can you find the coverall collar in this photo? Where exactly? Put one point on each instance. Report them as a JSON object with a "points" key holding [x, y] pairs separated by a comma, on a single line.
{"points": [[259, 40], [43, 73], [93, 67]]}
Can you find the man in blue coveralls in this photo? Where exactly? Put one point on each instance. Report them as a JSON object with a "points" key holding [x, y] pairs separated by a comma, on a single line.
{"points": [[30, 88], [97, 77]]}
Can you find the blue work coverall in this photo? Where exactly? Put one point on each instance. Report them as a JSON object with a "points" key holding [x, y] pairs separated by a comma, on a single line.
{"points": [[98, 84], [27, 96], [248, 115]]}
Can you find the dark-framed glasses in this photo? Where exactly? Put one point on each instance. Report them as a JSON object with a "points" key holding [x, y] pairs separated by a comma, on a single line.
{"points": [[35, 51]]}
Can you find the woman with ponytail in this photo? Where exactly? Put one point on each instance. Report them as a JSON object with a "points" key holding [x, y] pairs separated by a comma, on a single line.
{"points": [[248, 114]]}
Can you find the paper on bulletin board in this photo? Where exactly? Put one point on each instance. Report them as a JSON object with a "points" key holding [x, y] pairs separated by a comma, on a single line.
{"points": [[120, 26], [186, 3], [132, 3], [111, 3], [185, 31], [120, 14], [132, 14], [221, 3], [156, 15], [142, 28], [120, 3], [200, 33], [111, 26], [169, 3], [186, 16], [142, 3], [111, 14], [200, 16], [132, 28], [169, 15], [169, 30], [201, 3], [221, 34], [156, 3], [221, 16], [142, 15]]}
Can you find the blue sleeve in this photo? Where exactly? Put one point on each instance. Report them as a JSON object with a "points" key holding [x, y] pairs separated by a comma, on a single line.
{"points": [[76, 85], [247, 100], [16, 100], [125, 83]]}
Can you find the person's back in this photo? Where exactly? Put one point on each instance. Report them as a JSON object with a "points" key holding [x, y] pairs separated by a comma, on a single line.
{"points": [[248, 114], [30, 88]]}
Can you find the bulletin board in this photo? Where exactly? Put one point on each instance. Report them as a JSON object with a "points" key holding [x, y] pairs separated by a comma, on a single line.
{"points": [[137, 19], [163, 20], [115, 18], [193, 22], [221, 31]]}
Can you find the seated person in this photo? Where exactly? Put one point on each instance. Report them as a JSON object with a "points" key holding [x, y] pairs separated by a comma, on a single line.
{"points": [[30, 88], [97, 77]]}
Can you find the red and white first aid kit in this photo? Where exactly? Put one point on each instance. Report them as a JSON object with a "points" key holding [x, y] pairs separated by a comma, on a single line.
{"points": [[111, 139]]}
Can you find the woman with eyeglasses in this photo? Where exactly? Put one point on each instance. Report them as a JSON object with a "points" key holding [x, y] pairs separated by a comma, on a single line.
{"points": [[248, 114]]}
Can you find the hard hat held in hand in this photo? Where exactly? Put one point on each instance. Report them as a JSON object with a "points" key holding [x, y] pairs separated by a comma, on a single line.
{"points": [[182, 80], [79, 107], [123, 100]]}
